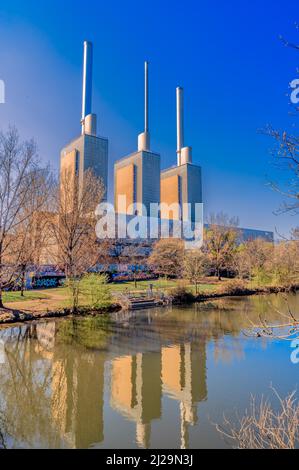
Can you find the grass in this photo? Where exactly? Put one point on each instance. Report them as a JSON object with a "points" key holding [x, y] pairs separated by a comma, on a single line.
{"points": [[28, 295], [158, 284], [60, 297]]}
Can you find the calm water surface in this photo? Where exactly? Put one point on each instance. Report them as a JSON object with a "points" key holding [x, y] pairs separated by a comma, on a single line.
{"points": [[153, 379]]}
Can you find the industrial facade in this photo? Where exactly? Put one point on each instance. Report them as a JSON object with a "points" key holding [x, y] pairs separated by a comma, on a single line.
{"points": [[137, 176], [182, 184], [88, 151], [138, 179], [84, 153]]}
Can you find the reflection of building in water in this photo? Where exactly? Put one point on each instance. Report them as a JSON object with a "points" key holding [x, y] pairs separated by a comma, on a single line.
{"points": [[136, 391], [77, 386], [184, 379], [77, 398], [77, 389]]}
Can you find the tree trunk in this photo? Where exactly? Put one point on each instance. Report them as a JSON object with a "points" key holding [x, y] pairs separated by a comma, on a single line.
{"points": [[1, 284], [1, 297], [23, 283]]}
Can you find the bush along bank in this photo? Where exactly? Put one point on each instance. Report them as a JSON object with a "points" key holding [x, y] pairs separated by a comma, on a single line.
{"points": [[238, 288]]}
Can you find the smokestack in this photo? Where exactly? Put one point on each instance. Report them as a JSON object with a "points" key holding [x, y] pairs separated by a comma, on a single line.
{"points": [[180, 122], [184, 153], [144, 138], [87, 81], [146, 95]]}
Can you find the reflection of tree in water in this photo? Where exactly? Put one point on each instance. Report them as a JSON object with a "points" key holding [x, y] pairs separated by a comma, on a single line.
{"points": [[25, 382], [49, 382], [3, 433], [89, 332]]}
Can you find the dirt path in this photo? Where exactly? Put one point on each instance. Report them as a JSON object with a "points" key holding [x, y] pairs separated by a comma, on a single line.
{"points": [[52, 301]]}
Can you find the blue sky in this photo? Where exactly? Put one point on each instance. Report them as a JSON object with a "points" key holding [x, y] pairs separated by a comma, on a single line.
{"points": [[227, 56]]}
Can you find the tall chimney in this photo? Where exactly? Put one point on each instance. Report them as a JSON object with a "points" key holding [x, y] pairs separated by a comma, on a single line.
{"points": [[146, 96], [184, 153], [144, 138], [180, 122], [87, 81]]}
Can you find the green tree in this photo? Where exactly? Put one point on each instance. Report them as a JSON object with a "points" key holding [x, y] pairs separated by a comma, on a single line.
{"points": [[95, 290]]}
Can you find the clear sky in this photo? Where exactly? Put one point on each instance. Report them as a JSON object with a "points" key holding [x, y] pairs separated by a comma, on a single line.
{"points": [[226, 54]]}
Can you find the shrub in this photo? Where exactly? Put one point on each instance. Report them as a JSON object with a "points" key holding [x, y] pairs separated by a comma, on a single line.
{"points": [[261, 277], [263, 426], [182, 295], [95, 290], [234, 287]]}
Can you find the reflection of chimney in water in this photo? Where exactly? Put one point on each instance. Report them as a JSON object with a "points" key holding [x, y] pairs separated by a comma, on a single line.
{"points": [[184, 379], [184, 427]]}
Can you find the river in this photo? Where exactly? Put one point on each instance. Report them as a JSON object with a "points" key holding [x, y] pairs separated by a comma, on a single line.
{"points": [[150, 379]]}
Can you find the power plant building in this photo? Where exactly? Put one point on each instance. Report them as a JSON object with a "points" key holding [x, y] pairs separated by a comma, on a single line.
{"points": [[137, 176], [182, 184], [139, 184], [88, 151]]}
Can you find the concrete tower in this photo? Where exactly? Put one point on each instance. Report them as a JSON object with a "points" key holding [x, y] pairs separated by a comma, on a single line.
{"points": [[181, 184], [88, 151], [137, 176]]}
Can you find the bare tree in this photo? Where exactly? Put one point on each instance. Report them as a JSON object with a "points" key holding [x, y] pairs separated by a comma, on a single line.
{"points": [[262, 427], [285, 329], [295, 234], [72, 225], [195, 266], [286, 157], [134, 252], [24, 191], [32, 239], [221, 241], [167, 257], [254, 260]]}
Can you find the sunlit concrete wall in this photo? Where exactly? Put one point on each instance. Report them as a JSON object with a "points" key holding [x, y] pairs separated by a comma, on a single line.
{"points": [[92, 153], [146, 179], [182, 184], [124, 185]]}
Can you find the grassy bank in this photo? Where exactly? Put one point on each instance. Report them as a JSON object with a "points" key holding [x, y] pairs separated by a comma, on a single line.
{"points": [[61, 293], [55, 303]]}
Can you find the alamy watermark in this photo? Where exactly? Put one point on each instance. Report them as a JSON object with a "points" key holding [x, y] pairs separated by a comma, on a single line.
{"points": [[295, 93], [135, 222], [295, 353], [2, 92]]}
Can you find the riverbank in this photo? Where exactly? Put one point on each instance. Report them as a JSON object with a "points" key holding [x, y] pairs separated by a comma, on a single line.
{"points": [[10, 316], [247, 291], [38, 309]]}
